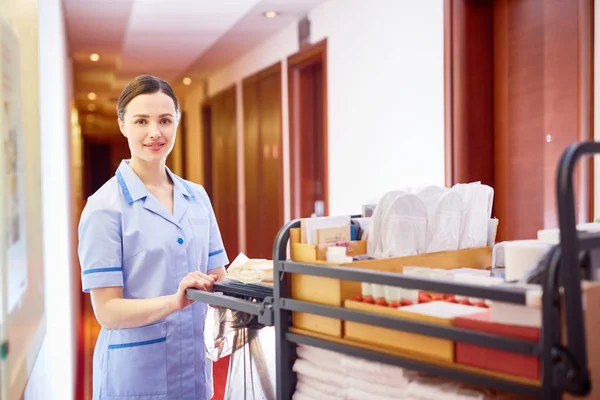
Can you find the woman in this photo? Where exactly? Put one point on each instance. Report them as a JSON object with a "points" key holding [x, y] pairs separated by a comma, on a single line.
{"points": [[144, 238]]}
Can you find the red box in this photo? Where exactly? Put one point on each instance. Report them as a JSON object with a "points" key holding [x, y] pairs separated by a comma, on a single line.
{"points": [[493, 359]]}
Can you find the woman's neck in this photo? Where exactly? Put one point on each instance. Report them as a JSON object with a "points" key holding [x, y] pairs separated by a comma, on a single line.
{"points": [[151, 174]]}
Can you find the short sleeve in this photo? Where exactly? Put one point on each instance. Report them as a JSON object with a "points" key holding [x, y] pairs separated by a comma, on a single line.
{"points": [[100, 252], [217, 256]]}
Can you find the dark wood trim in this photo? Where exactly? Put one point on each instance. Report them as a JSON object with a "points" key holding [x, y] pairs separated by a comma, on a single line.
{"points": [[271, 69], [206, 123], [448, 95], [586, 106], [308, 55], [183, 132], [468, 91], [225, 90]]}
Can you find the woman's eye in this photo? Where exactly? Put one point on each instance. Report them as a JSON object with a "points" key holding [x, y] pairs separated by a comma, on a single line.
{"points": [[165, 121], [140, 121]]}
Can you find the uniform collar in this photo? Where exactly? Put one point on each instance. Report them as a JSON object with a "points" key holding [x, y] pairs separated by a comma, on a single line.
{"points": [[134, 189]]}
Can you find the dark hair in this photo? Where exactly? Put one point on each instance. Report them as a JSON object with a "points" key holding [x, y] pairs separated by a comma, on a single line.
{"points": [[144, 84]]}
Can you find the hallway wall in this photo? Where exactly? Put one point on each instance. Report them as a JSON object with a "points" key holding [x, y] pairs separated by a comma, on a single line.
{"points": [[46, 115], [386, 94]]}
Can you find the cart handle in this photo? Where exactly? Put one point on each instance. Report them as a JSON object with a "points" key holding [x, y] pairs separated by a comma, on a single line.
{"points": [[570, 271]]}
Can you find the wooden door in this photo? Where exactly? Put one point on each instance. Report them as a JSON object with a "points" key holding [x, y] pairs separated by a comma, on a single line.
{"points": [[307, 82], [224, 167], [541, 90], [262, 161], [252, 171]]}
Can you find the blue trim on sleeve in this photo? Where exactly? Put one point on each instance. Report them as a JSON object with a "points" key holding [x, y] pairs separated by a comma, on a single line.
{"points": [[187, 187], [216, 253], [136, 344], [96, 270], [124, 187]]}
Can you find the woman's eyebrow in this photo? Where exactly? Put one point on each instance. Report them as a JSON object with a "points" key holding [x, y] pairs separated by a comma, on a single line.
{"points": [[147, 116]]}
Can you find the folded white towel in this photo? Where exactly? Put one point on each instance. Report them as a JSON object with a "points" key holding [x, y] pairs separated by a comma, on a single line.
{"points": [[354, 366], [318, 356], [384, 390], [316, 374], [356, 394], [438, 388], [320, 374], [301, 396], [360, 365], [318, 391], [322, 387]]}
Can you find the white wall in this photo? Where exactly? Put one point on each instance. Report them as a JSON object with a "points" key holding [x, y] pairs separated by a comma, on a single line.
{"points": [[48, 381], [385, 93]]}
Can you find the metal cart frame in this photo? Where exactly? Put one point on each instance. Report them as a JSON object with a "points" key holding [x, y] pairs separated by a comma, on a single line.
{"points": [[564, 367]]}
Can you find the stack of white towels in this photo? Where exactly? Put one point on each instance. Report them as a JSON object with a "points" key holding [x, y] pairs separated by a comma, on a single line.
{"points": [[326, 375]]}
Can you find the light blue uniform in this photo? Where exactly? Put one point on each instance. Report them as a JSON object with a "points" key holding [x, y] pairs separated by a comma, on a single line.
{"points": [[127, 238]]}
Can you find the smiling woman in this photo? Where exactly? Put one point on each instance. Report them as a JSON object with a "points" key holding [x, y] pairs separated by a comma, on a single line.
{"points": [[145, 237]]}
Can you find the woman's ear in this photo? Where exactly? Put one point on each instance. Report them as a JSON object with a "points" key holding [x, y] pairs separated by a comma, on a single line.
{"points": [[121, 126]]}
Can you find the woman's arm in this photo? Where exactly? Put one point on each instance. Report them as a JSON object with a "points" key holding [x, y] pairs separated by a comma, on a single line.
{"points": [[114, 312]]}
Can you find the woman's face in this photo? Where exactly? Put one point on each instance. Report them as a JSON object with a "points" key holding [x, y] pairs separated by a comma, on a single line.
{"points": [[150, 126]]}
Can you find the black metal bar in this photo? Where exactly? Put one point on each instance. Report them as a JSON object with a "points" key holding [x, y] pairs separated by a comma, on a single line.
{"points": [[569, 272], [243, 290], [285, 377], [514, 295], [424, 367], [217, 299], [423, 328], [551, 322]]}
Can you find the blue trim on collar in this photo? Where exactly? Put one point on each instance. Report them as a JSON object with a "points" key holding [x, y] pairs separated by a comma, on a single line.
{"points": [[124, 187], [187, 187]]}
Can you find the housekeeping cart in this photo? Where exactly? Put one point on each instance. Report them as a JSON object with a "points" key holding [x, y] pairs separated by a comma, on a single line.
{"points": [[564, 364]]}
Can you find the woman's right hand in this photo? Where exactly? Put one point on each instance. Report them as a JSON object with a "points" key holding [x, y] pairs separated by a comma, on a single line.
{"points": [[193, 280]]}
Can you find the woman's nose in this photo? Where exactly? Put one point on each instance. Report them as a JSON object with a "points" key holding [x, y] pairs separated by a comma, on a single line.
{"points": [[154, 131]]}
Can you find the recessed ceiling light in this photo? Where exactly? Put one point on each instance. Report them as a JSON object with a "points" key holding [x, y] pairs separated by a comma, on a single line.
{"points": [[270, 14], [92, 96], [90, 118], [187, 81], [94, 57], [91, 107]]}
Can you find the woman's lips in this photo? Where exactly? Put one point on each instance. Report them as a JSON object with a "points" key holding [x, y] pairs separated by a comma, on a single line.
{"points": [[154, 146]]}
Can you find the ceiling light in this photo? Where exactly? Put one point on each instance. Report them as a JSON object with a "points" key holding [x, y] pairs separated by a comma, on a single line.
{"points": [[92, 96], [270, 14], [94, 57], [91, 107], [187, 81], [90, 117]]}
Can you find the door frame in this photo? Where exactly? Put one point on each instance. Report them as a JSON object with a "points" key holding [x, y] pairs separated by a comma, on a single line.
{"points": [[206, 123], [315, 53]]}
